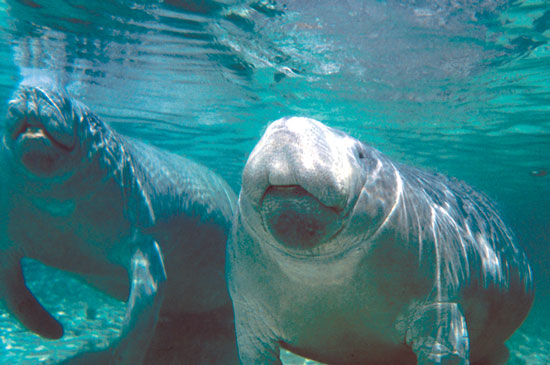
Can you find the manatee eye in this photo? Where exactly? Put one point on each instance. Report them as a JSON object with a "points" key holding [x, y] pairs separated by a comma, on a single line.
{"points": [[359, 152]]}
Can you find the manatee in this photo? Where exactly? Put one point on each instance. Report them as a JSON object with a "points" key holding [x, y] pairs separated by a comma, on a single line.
{"points": [[138, 223], [343, 256]]}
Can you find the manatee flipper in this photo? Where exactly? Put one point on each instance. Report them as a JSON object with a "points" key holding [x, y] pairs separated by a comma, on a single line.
{"points": [[148, 277], [20, 302], [438, 334], [255, 344]]}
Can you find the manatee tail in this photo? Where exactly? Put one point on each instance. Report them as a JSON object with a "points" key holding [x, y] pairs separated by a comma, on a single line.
{"points": [[20, 302]]}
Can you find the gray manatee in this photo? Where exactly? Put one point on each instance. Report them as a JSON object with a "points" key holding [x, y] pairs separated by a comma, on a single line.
{"points": [[138, 223], [343, 256]]}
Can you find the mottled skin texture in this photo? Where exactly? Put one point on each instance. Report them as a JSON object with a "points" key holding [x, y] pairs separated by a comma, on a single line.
{"points": [[82, 198], [343, 256]]}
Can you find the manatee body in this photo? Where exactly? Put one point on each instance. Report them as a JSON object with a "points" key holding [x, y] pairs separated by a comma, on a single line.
{"points": [[123, 216], [343, 256]]}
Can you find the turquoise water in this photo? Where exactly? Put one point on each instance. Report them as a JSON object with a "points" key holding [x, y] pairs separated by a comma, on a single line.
{"points": [[459, 87]]}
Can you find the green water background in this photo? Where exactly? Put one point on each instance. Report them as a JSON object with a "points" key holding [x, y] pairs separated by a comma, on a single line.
{"points": [[463, 91]]}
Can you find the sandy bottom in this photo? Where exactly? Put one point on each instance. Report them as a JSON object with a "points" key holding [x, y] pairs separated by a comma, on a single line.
{"points": [[92, 320]]}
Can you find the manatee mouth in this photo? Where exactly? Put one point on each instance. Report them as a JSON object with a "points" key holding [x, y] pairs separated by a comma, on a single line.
{"points": [[297, 219], [29, 133], [35, 147]]}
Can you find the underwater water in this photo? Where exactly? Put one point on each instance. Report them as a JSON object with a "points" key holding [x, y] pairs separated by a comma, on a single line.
{"points": [[458, 87]]}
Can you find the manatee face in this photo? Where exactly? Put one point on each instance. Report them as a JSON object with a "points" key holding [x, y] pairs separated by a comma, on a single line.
{"points": [[302, 183], [41, 129]]}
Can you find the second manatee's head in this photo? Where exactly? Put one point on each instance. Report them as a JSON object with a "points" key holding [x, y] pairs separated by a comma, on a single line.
{"points": [[306, 185], [43, 129]]}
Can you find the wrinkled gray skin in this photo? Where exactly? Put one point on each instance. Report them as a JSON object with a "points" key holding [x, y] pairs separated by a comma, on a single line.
{"points": [[80, 197], [343, 256]]}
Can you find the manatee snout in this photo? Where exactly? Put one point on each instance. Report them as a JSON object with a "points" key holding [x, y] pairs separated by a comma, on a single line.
{"points": [[302, 180], [35, 110], [40, 128]]}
